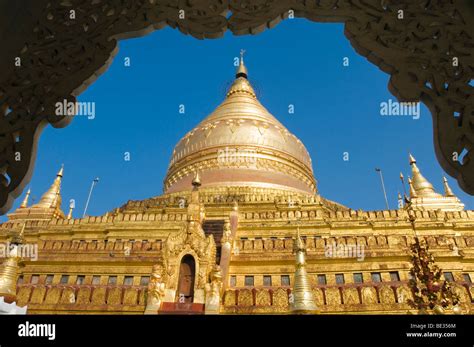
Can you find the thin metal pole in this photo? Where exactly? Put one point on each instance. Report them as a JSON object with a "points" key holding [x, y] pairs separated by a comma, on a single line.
{"points": [[383, 187], [94, 181]]}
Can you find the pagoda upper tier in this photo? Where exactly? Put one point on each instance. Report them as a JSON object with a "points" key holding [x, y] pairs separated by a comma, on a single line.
{"points": [[241, 144]]}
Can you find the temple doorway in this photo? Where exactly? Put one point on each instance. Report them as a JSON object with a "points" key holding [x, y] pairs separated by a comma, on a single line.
{"points": [[187, 272]]}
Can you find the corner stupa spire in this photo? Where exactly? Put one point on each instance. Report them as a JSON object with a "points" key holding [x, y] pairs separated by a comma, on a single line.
{"points": [[47, 208], [52, 197], [424, 197], [422, 187], [24, 203], [71, 209], [303, 300], [447, 188], [412, 190]]}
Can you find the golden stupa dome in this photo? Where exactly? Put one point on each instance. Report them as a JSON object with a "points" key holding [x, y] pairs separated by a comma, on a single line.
{"points": [[241, 144]]}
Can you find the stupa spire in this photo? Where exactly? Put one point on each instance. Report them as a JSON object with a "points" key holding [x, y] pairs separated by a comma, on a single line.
{"points": [[412, 190], [242, 69], [303, 300], [71, 209], [422, 187], [24, 203], [52, 197], [424, 197], [447, 188], [241, 85]]}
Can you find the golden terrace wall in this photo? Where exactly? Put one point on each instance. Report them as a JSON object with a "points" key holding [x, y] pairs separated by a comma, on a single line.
{"points": [[383, 298], [67, 247], [84, 299]]}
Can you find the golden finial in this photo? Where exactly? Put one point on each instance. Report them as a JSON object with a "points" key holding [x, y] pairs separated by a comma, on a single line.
{"points": [[412, 190], [61, 170], [241, 85], [402, 179], [303, 299], [52, 197], [423, 195], [447, 189], [242, 69], [24, 203], [421, 186], [196, 180], [71, 208]]}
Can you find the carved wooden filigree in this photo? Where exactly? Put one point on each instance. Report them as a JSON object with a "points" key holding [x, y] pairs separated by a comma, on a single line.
{"points": [[61, 56]]}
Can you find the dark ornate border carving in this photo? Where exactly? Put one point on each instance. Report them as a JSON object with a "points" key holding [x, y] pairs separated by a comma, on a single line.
{"points": [[61, 56]]}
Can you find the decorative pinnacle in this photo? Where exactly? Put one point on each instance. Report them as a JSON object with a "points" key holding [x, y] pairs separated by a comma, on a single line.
{"points": [[412, 189], [71, 209], [61, 170], [242, 70], [447, 189], [421, 185], [52, 197], [242, 52], [24, 204], [303, 301]]}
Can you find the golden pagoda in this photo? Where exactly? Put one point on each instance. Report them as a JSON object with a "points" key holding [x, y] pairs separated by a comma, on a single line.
{"points": [[424, 197], [241, 144], [221, 238], [49, 206]]}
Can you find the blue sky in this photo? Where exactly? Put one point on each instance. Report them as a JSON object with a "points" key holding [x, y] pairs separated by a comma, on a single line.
{"points": [[337, 110]]}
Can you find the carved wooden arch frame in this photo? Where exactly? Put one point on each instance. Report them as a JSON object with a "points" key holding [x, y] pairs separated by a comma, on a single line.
{"points": [[61, 56]]}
